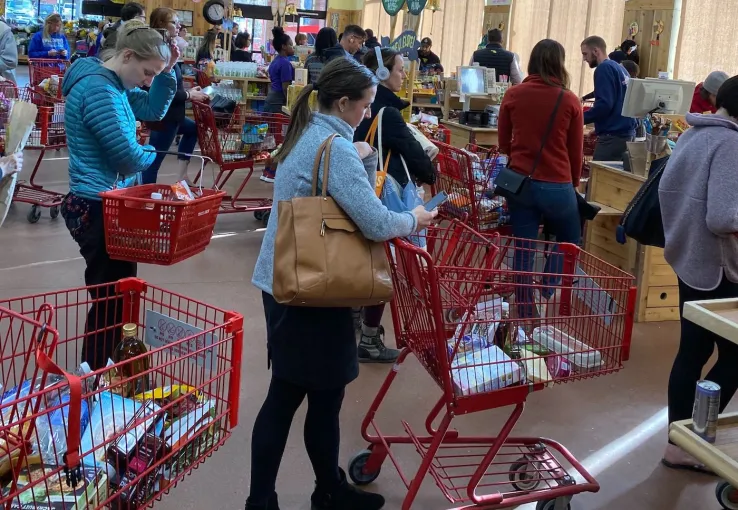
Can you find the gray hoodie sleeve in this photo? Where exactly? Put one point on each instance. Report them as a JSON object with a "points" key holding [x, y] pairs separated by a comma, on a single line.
{"points": [[722, 188], [348, 184], [8, 51]]}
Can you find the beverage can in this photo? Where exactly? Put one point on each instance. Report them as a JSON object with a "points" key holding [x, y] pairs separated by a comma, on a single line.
{"points": [[706, 410]]}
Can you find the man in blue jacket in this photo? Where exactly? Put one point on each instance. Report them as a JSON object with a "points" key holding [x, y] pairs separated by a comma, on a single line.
{"points": [[610, 83]]}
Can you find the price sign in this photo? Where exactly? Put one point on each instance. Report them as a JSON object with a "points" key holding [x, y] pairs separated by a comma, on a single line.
{"points": [[416, 6], [392, 6], [406, 43], [184, 340]]}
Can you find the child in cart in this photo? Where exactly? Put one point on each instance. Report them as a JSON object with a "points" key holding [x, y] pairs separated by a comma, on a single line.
{"points": [[104, 99]]}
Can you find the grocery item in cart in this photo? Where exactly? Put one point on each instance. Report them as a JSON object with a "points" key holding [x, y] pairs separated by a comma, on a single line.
{"points": [[52, 492], [134, 495], [111, 415], [181, 191], [535, 369], [131, 347], [51, 429], [706, 410], [483, 371], [580, 355]]}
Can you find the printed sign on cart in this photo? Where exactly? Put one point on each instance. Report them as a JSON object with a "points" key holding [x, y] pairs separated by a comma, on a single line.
{"points": [[162, 331], [392, 6]]}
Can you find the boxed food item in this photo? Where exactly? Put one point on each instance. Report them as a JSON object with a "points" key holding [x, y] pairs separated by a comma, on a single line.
{"points": [[580, 355], [483, 371], [54, 494], [536, 370]]}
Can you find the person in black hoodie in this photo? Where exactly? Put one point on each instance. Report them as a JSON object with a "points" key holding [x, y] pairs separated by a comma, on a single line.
{"points": [[175, 122], [397, 138]]}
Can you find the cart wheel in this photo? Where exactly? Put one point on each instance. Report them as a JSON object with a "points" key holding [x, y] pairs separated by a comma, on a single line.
{"points": [[524, 476], [259, 215], [34, 214], [550, 504], [54, 212], [727, 495], [265, 218], [356, 469]]}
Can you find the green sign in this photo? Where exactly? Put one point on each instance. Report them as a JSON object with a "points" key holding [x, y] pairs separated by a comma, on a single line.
{"points": [[416, 6], [393, 6]]}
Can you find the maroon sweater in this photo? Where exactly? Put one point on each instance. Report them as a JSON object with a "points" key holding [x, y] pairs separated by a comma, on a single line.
{"points": [[524, 117]]}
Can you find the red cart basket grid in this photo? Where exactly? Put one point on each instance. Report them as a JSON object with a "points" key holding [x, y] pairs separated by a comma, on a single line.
{"points": [[467, 176], [239, 141], [48, 133], [488, 339], [124, 448], [40, 69]]}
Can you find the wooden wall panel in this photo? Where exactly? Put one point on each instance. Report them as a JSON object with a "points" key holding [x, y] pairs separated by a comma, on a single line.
{"points": [[530, 21], [567, 24], [708, 39], [604, 18]]}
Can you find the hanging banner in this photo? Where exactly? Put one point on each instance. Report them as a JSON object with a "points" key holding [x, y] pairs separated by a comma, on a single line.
{"points": [[416, 6], [392, 6], [406, 43]]}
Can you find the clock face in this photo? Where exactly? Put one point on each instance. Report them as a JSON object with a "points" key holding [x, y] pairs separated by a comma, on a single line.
{"points": [[214, 12]]}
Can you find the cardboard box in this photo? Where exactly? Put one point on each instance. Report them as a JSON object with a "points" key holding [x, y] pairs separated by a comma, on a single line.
{"points": [[484, 370]]}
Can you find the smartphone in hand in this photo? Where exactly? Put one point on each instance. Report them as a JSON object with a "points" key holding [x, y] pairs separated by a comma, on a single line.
{"points": [[436, 201]]}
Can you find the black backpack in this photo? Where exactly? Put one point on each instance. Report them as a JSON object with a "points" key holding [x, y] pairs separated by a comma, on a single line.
{"points": [[642, 218]]}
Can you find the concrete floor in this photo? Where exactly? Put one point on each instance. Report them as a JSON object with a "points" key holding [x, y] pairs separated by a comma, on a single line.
{"points": [[616, 425]]}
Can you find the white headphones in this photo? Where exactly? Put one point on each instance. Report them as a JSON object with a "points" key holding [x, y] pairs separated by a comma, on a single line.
{"points": [[382, 72]]}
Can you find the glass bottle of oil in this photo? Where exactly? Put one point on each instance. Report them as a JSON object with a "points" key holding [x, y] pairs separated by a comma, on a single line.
{"points": [[129, 347]]}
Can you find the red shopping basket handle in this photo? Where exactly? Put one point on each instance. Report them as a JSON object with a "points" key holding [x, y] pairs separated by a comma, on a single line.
{"points": [[72, 467]]}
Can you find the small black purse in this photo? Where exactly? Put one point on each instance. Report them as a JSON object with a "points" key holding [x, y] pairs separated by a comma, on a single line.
{"points": [[509, 183]]}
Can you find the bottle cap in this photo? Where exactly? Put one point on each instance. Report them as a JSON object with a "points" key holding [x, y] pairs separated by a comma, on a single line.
{"points": [[130, 330], [157, 196]]}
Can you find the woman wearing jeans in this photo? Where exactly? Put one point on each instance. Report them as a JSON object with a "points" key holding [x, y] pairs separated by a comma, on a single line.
{"points": [[541, 130], [175, 122], [313, 351], [700, 215]]}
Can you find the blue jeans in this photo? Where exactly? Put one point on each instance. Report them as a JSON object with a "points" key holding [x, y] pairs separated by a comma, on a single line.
{"points": [[162, 141], [552, 204]]}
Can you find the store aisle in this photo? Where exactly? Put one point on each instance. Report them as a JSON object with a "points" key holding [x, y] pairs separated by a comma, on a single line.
{"points": [[617, 423]]}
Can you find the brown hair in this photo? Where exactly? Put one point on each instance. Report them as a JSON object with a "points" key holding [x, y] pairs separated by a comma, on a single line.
{"points": [[51, 18], [341, 77], [547, 60], [208, 42], [388, 57], [595, 41], [161, 17]]}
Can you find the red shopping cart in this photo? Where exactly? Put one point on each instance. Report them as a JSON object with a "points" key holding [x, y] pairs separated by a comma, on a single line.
{"points": [[51, 69], [467, 176], [239, 141], [114, 438], [479, 330], [48, 133]]}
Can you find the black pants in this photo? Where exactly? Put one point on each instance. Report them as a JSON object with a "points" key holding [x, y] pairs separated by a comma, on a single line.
{"points": [[695, 348], [272, 427], [84, 219]]}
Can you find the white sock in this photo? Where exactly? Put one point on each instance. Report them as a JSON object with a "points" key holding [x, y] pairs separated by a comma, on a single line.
{"points": [[183, 164]]}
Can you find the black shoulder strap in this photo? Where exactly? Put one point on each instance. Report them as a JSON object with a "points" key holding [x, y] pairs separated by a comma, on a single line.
{"points": [[548, 132]]}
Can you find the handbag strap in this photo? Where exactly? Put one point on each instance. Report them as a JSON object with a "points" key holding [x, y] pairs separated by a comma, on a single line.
{"points": [[382, 173], [325, 147], [548, 132]]}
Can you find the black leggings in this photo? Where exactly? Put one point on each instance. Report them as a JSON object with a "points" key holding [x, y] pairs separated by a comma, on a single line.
{"points": [[695, 348], [272, 427]]}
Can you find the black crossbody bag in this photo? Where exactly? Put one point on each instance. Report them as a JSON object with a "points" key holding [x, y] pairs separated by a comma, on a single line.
{"points": [[509, 183]]}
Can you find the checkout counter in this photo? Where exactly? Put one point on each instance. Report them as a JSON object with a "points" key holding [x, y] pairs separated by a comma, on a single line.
{"points": [[613, 188]]}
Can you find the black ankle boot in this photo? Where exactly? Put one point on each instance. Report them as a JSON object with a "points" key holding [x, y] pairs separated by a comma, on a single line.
{"points": [[272, 504], [345, 497]]}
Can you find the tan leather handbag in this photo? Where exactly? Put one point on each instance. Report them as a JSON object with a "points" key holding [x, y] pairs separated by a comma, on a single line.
{"points": [[321, 258]]}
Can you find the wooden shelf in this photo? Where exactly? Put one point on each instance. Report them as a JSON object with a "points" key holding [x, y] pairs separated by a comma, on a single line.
{"points": [[255, 98], [606, 210], [427, 105]]}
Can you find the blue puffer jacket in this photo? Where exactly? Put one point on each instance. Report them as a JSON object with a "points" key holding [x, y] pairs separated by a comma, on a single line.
{"points": [[100, 121]]}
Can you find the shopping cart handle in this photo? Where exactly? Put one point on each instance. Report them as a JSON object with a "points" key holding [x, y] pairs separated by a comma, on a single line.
{"points": [[73, 475]]}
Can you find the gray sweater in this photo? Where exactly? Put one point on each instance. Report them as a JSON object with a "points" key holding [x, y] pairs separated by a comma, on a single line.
{"points": [[351, 184], [698, 195]]}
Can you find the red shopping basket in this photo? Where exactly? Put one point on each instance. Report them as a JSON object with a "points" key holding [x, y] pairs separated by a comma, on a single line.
{"points": [[92, 441], [488, 338], [141, 229]]}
